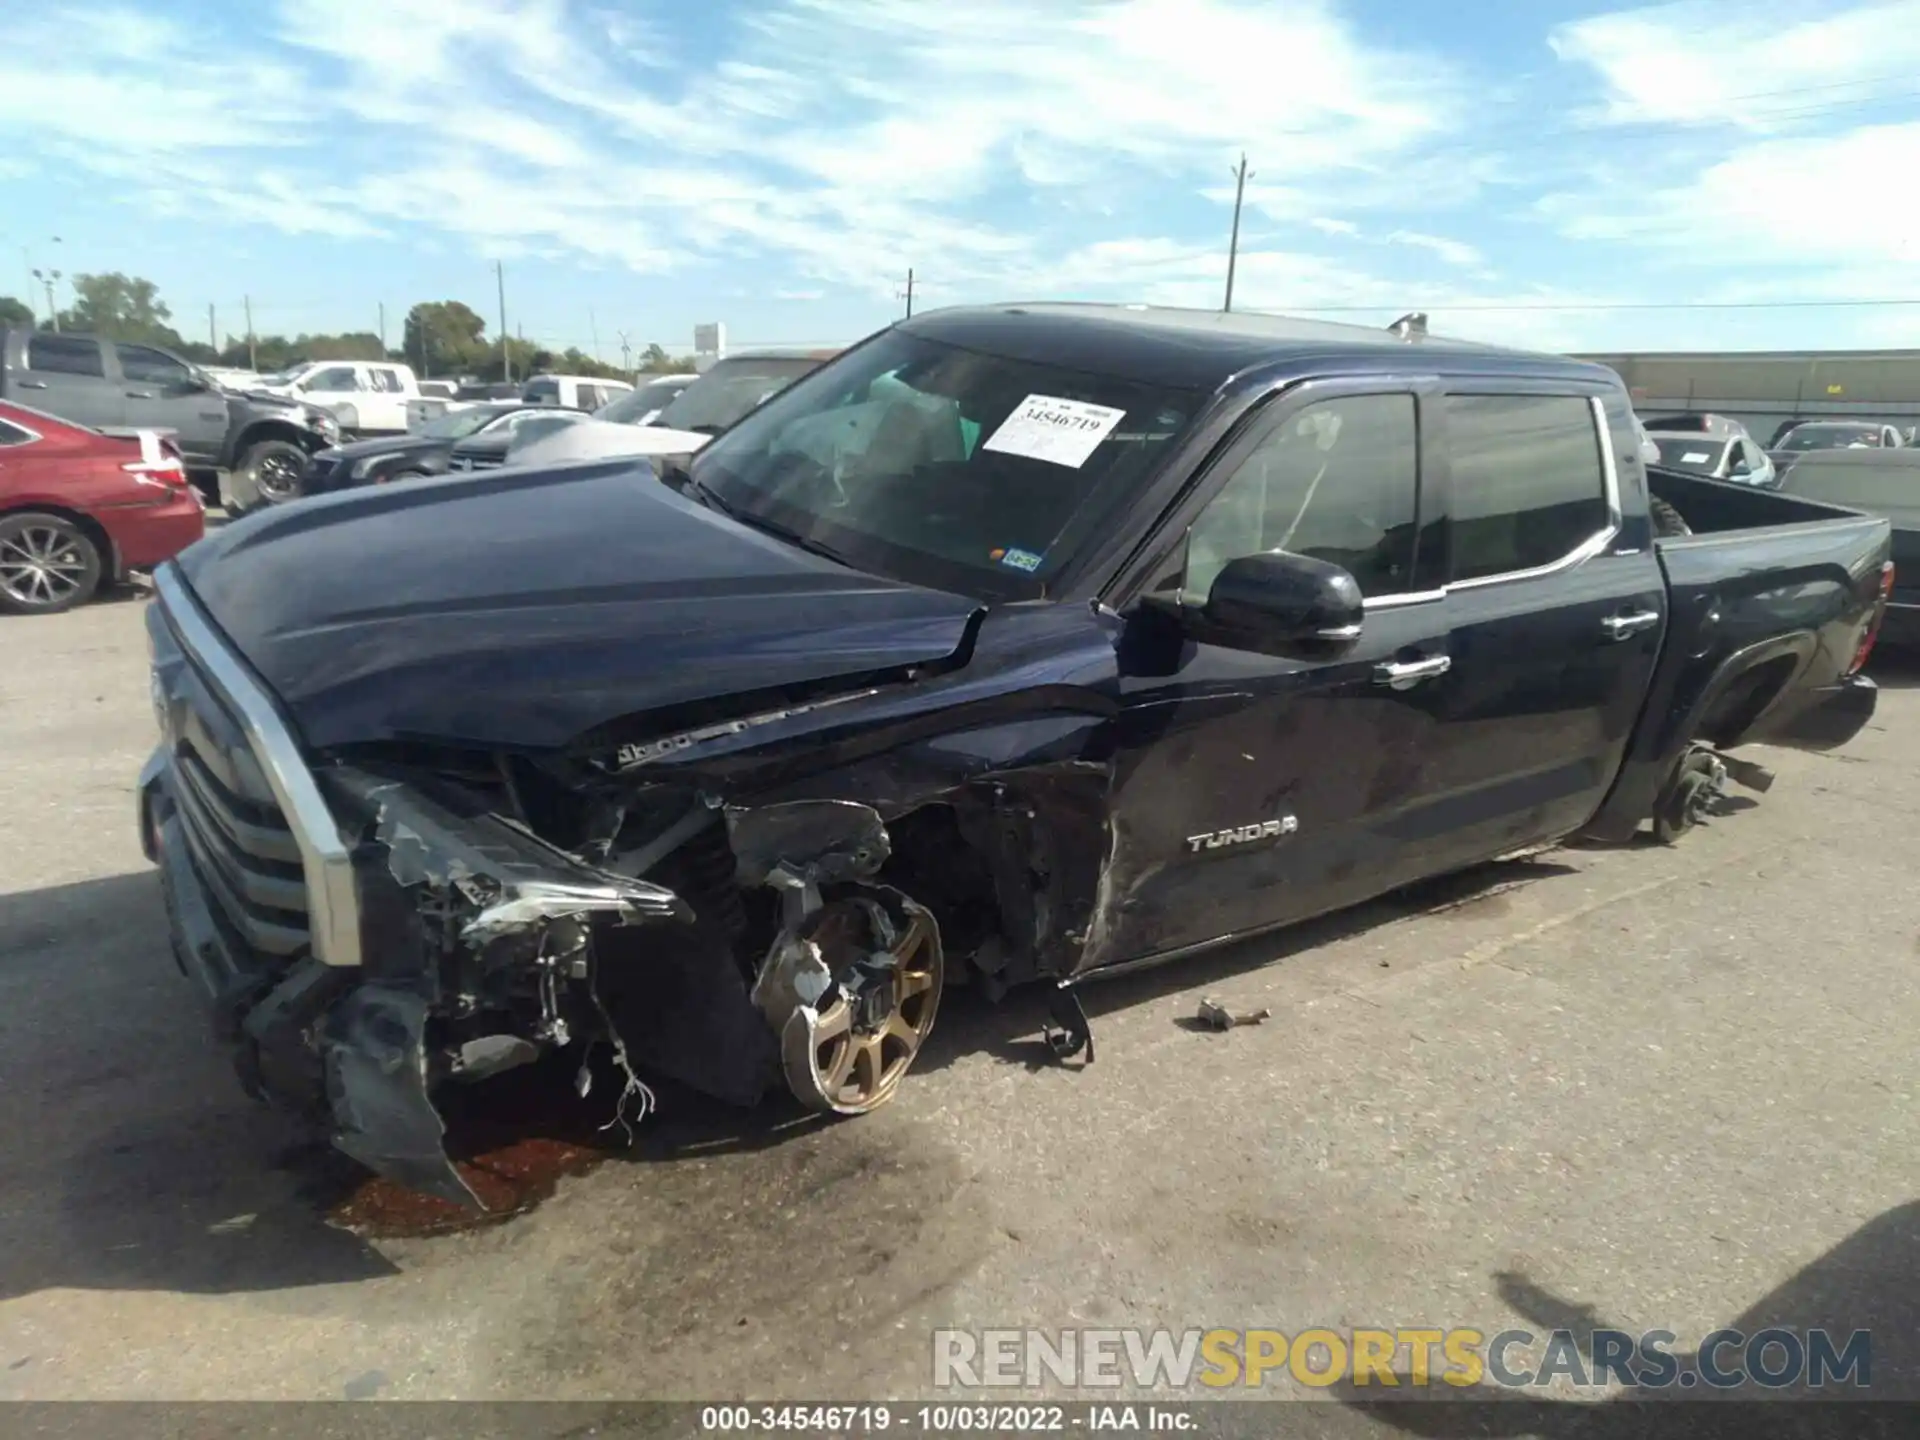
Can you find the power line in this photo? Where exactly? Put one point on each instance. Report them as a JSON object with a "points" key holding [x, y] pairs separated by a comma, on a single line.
{"points": [[1605, 305]]}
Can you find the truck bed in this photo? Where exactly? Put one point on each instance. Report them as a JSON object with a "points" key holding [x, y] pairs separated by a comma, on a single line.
{"points": [[1768, 603]]}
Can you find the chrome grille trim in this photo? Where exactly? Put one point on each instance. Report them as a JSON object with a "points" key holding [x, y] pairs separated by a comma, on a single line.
{"points": [[325, 861]]}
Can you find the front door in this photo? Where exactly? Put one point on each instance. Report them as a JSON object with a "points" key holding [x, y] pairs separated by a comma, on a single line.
{"points": [[1556, 610], [66, 376], [162, 394], [1253, 789]]}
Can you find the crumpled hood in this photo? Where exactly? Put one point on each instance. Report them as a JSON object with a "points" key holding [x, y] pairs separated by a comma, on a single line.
{"points": [[603, 439], [521, 608]]}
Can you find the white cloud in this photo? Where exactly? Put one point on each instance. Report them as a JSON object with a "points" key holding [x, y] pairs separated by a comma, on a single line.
{"points": [[846, 139], [1454, 252], [1760, 66], [1829, 202], [1327, 226]]}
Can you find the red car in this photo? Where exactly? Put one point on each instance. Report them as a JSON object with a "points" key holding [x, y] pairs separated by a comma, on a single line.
{"points": [[79, 508]]}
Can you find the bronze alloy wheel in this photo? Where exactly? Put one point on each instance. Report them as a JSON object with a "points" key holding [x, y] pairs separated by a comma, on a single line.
{"points": [[856, 1053]]}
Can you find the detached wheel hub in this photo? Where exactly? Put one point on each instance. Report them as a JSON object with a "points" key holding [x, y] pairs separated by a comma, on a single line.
{"points": [[849, 1055]]}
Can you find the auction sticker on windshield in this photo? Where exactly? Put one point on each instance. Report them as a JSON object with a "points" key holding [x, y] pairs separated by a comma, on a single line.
{"points": [[1061, 432]]}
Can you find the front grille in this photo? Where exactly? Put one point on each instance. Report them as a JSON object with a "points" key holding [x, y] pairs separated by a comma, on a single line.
{"points": [[249, 826], [478, 462], [242, 848], [246, 855]]}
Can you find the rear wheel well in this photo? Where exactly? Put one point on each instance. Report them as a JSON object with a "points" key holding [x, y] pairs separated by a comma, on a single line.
{"points": [[269, 430], [111, 570], [1745, 698]]}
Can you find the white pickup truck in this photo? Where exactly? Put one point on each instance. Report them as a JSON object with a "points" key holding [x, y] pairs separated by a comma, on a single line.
{"points": [[367, 397]]}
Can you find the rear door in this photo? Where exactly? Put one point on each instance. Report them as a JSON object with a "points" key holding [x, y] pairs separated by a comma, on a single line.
{"points": [[66, 375], [1556, 610], [161, 391]]}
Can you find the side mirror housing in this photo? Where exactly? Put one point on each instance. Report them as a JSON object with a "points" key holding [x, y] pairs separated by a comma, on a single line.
{"points": [[1281, 598]]}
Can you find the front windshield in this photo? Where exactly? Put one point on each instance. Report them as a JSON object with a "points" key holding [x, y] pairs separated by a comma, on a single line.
{"points": [[943, 466], [1691, 452], [731, 389], [634, 406], [458, 424], [1830, 437]]}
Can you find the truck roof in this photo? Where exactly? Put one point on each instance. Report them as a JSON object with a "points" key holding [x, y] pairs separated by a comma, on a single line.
{"points": [[1205, 349]]}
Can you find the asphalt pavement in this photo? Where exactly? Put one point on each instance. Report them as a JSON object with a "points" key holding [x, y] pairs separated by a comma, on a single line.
{"points": [[1649, 1087]]}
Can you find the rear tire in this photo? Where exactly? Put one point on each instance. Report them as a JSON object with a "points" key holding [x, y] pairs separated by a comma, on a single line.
{"points": [[277, 470], [47, 564]]}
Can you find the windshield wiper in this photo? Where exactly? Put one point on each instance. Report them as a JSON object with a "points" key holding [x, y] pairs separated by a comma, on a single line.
{"points": [[709, 497]]}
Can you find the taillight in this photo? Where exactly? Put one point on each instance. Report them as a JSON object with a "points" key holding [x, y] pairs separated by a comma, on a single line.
{"points": [[167, 473], [1873, 626]]}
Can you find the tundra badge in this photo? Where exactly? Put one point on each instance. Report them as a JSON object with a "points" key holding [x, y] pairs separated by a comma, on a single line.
{"points": [[1244, 835]]}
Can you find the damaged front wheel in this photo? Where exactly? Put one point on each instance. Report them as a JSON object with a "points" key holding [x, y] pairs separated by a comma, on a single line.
{"points": [[847, 1053]]}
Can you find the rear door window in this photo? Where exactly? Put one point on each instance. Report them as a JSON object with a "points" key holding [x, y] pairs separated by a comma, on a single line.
{"points": [[1529, 487], [12, 434], [65, 355]]}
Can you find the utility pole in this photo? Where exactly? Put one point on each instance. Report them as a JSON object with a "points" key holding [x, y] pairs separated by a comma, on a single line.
{"points": [[626, 354], [213, 339], [1241, 175], [909, 292], [594, 325], [46, 278], [26, 263], [506, 356], [383, 329], [253, 350]]}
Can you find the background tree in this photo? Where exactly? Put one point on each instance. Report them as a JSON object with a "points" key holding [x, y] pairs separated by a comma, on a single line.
{"points": [[445, 337], [14, 312], [120, 307]]}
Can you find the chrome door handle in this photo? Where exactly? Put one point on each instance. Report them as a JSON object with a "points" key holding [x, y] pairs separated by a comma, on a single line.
{"points": [[33, 384], [140, 394], [1619, 627], [1405, 677]]}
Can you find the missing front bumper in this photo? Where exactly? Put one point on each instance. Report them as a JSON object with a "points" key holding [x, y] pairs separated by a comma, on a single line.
{"points": [[472, 930]]}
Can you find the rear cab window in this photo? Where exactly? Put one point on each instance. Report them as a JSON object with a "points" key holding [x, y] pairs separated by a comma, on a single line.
{"points": [[1529, 485], [65, 355], [542, 392]]}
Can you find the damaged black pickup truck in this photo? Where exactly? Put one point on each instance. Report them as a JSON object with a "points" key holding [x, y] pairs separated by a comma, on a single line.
{"points": [[1019, 643]]}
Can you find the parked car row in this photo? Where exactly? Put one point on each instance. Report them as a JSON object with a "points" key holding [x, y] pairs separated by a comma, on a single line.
{"points": [[1019, 643], [116, 385]]}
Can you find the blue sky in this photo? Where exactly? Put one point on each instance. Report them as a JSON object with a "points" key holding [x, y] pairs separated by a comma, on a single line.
{"points": [[642, 166]]}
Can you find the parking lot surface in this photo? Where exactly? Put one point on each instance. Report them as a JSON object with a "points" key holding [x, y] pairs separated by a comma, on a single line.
{"points": [[1663, 1088]]}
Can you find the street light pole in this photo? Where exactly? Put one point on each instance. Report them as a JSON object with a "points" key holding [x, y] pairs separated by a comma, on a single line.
{"points": [[1241, 174], [506, 355]]}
